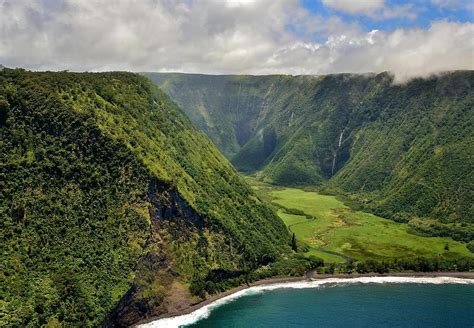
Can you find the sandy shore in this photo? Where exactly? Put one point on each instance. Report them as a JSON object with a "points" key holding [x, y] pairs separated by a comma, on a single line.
{"points": [[307, 277]]}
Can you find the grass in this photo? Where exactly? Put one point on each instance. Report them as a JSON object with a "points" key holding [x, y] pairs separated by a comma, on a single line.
{"points": [[336, 232]]}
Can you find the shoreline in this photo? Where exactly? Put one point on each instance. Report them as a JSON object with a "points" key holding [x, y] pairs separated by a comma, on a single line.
{"points": [[307, 277]]}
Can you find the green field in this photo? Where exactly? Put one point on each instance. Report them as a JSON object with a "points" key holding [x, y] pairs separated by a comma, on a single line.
{"points": [[336, 233]]}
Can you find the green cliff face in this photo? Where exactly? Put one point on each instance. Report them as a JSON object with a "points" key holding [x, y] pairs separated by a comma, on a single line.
{"points": [[106, 187], [405, 151]]}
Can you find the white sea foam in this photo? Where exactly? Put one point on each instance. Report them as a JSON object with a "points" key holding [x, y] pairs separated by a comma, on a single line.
{"points": [[204, 311]]}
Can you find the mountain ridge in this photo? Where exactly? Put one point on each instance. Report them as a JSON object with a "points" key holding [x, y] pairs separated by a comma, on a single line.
{"points": [[110, 196], [306, 130]]}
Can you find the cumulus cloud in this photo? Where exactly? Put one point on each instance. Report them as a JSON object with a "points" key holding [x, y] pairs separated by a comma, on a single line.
{"points": [[467, 5], [214, 36], [408, 11], [375, 9], [408, 53], [456, 4], [355, 7]]}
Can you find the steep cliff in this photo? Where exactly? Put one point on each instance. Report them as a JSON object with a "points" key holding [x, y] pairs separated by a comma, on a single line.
{"points": [[111, 199]]}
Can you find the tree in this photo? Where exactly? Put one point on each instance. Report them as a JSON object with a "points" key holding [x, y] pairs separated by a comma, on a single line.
{"points": [[361, 267], [315, 262], [294, 247], [331, 268], [470, 246], [4, 108]]}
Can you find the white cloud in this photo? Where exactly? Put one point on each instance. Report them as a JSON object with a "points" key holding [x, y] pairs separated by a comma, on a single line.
{"points": [[355, 6], [213, 36], [445, 3], [410, 53], [455, 5], [407, 10], [375, 9], [450, 3]]}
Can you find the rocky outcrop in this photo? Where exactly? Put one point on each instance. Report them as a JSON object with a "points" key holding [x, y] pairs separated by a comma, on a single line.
{"points": [[170, 215]]}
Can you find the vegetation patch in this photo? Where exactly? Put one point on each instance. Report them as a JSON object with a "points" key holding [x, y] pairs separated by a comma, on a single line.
{"points": [[355, 235]]}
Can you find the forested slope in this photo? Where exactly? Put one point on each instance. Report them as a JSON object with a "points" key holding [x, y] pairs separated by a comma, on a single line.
{"points": [[108, 193], [225, 107], [404, 151]]}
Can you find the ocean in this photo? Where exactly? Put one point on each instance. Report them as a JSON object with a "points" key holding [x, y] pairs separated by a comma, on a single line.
{"points": [[357, 302]]}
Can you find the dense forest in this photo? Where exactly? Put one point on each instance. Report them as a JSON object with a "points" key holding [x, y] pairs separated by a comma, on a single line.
{"points": [[405, 152], [108, 194]]}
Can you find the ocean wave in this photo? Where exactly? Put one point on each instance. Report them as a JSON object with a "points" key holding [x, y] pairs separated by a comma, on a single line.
{"points": [[203, 312]]}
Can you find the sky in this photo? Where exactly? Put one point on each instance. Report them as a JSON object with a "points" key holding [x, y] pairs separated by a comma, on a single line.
{"points": [[411, 39]]}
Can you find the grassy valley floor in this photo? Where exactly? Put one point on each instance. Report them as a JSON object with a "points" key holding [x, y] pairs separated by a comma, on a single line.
{"points": [[336, 233]]}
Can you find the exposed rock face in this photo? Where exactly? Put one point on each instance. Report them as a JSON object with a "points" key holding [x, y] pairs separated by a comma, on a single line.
{"points": [[171, 216], [167, 204]]}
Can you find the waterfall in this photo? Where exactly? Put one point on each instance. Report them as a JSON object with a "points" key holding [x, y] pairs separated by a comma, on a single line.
{"points": [[334, 154]]}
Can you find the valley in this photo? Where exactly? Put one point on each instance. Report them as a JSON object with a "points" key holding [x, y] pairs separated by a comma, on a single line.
{"points": [[336, 233], [401, 151]]}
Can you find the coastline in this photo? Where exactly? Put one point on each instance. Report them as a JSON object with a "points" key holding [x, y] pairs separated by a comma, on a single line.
{"points": [[308, 277]]}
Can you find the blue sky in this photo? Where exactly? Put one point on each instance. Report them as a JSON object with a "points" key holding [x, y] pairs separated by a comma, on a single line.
{"points": [[425, 13]]}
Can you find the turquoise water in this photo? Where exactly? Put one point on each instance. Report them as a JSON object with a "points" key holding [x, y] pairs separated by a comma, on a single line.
{"points": [[377, 305]]}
